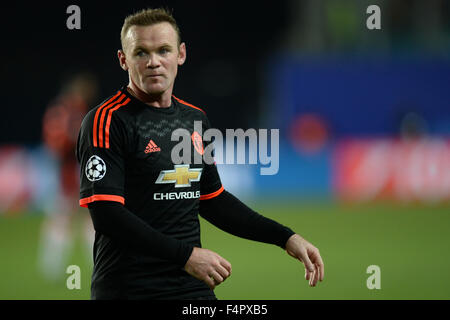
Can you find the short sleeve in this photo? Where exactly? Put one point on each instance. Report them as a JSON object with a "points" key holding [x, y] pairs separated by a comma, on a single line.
{"points": [[101, 149], [210, 183]]}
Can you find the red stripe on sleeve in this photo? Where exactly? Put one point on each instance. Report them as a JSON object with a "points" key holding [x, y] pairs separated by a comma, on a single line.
{"points": [[212, 195], [101, 197]]}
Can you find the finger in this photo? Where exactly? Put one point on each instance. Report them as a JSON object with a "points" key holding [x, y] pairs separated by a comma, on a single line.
{"points": [[319, 273], [306, 274], [218, 279], [322, 271], [224, 263], [319, 262], [223, 272], [210, 282], [305, 259], [321, 268], [316, 276], [311, 279]]}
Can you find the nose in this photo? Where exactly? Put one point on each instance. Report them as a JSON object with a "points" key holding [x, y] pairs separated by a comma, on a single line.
{"points": [[152, 61]]}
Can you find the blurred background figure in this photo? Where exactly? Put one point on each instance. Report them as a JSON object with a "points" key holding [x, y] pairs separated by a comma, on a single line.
{"points": [[61, 123]]}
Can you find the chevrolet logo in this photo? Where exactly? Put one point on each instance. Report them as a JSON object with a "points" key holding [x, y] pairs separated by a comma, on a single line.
{"points": [[182, 176]]}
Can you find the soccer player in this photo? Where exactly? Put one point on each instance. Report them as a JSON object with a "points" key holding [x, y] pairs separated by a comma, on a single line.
{"points": [[143, 206], [61, 122]]}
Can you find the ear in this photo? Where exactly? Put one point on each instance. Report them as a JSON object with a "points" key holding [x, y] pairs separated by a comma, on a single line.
{"points": [[122, 59], [182, 54]]}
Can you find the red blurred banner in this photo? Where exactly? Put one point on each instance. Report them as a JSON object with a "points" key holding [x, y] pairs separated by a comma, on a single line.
{"points": [[401, 170]]}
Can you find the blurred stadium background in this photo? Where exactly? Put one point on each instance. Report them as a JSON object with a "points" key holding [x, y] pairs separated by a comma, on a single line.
{"points": [[364, 119]]}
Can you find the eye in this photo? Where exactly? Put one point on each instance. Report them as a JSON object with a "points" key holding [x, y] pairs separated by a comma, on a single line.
{"points": [[164, 50], [140, 53]]}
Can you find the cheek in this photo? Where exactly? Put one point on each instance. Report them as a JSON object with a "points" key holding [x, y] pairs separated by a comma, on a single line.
{"points": [[141, 66], [175, 70], [172, 67], [137, 68]]}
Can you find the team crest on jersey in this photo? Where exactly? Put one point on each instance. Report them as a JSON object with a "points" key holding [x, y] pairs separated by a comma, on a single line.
{"points": [[182, 175], [95, 168], [197, 142]]}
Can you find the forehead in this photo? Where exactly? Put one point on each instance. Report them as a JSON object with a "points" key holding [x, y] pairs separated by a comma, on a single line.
{"points": [[152, 35]]}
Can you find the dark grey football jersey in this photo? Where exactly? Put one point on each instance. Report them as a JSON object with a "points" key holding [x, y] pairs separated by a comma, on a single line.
{"points": [[125, 154]]}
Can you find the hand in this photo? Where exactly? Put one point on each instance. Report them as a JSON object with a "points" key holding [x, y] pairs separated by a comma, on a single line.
{"points": [[208, 266], [309, 255]]}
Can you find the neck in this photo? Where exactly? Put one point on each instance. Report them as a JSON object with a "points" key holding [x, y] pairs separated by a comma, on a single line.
{"points": [[160, 100]]}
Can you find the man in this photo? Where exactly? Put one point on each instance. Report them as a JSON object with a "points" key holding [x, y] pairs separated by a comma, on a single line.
{"points": [[143, 206]]}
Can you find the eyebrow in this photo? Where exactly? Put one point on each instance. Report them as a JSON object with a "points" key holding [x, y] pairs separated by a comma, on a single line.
{"points": [[140, 47]]}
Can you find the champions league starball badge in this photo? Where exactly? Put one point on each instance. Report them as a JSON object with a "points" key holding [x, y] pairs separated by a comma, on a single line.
{"points": [[95, 168]]}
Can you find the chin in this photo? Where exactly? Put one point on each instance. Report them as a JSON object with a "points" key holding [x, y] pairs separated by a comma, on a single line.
{"points": [[152, 89]]}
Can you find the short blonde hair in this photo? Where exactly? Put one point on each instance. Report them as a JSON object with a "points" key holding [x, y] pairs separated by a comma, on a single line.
{"points": [[148, 17]]}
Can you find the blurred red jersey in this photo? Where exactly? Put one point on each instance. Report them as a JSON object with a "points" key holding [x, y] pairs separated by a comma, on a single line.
{"points": [[61, 123]]}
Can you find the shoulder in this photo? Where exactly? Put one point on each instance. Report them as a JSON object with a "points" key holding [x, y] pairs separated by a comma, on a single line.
{"points": [[110, 109], [107, 121]]}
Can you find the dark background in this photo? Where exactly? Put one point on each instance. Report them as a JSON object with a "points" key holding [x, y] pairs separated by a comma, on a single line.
{"points": [[231, 48], [224, 40]]}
